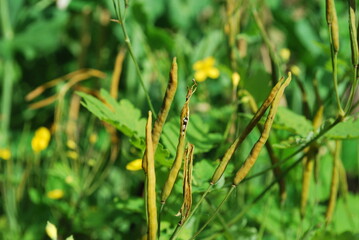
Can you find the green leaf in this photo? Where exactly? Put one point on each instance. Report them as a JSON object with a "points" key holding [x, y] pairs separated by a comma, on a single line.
{"points": [[292, 122], [345, 130], [197, 134], [126, 118]]}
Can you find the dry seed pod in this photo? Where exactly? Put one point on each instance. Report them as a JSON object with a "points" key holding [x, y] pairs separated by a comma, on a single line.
{"points": [[151, 183], [230, 151], [176, 166], [187, 184], [166, 105], [274, 160], [253, 155]]}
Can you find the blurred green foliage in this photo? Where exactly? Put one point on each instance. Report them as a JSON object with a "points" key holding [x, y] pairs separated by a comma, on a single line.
{"points": [[100, 198]]}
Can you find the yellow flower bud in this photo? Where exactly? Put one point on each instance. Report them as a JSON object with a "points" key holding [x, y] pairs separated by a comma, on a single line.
{"points": [[5, 153], [71, 144], [284, 54], [235, 79], [51, 230], [295, 70], [134, 165], [55, 194]]}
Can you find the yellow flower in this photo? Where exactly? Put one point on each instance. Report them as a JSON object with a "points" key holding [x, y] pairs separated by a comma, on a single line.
{"points": [[295, 70], [5, 153], [41, 139], [51, 230], [284, 54], [134, 165], [205, 68], [235, 79], [43, 133], [55, 194]]}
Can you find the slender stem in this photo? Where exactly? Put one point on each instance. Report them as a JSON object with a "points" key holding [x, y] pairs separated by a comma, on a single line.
{"points": [[8, 74], [130, 49], [320, 134], [179, 227], [349, 104], [335, 81], [214, 213]]}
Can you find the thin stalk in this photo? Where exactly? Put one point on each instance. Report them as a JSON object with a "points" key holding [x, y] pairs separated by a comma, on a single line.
{"points": [[349, 104], [261, 195], [335, 82], [130, 49], [275, 62], [215, 212], [320, 134], [8, 74]]}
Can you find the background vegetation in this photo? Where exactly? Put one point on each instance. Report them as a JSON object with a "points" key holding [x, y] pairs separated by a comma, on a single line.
{"points": [[60, 163]]}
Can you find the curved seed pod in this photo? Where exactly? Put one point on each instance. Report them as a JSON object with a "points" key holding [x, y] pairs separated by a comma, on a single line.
{"points": [[230, 151], [335, 29], [307, 171], [277, 172], [151, 183], [176, 166], [353, 33], [334, 184], [253, 155], [166, 105]]}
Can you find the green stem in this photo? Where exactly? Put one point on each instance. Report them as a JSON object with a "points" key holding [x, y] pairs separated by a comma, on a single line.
{"points": [[275, 62], [320, 134], [214, 213], [130, 49], [349, 104], [8, 74], [335, 82]]}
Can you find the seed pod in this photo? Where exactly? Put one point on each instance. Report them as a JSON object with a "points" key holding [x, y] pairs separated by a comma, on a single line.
{"points": [[253, 155], [151, 183], [334, 183], [307, 171], [176, 166], [335, 30], [353, 33], [166, 105], [230, 151]]}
